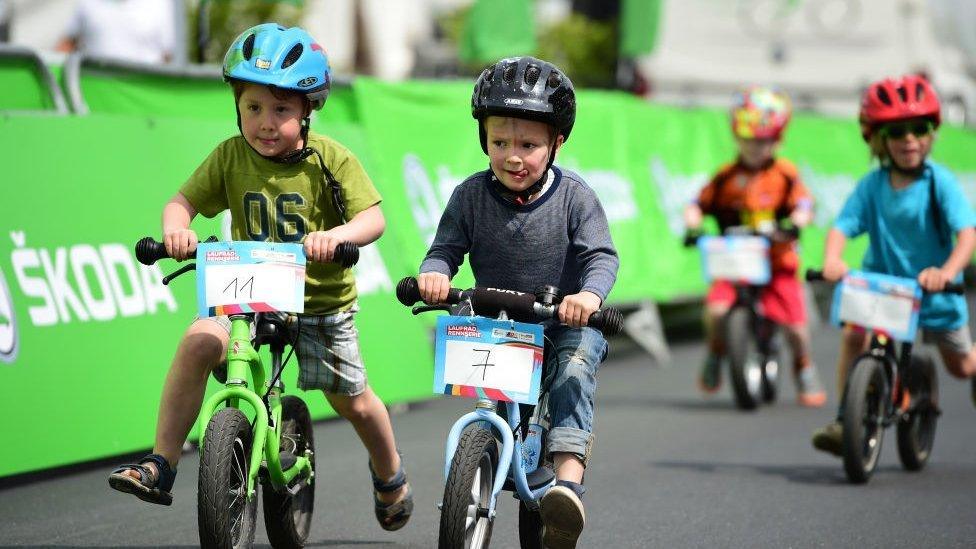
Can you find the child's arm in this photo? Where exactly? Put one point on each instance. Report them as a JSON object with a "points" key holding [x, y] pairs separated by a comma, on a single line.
{"points": [[597, 258], [834, 267], [447, 251], [364, 228], [934, 279], [180, 240]]}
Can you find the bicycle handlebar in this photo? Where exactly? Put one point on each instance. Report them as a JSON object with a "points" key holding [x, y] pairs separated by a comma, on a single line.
{"points": [[149, 251], [791, 232], [958, 288], [518, 306]]}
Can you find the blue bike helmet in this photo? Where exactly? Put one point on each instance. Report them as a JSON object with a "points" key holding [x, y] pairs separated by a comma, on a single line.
{"points": [[288, 59]]}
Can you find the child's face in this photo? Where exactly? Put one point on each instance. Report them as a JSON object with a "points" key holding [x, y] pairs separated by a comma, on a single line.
{"points": [[272, 125], [908, 142], [756, 153], [519, 150]]}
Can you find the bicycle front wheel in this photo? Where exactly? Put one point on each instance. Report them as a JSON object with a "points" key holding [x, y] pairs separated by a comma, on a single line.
{"points": [[288, 517], [864, 412], [744, 358], [225, 515], [916, 430], [465, 523]]}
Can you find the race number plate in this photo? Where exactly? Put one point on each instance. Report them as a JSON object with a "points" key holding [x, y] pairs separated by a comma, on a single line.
{"points": [[735, 258], [878, 302], [480, 357], [250, 277]]}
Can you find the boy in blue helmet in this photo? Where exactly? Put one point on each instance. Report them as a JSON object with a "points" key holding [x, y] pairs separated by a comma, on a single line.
{"points": [[525, 223], [285, 183]]}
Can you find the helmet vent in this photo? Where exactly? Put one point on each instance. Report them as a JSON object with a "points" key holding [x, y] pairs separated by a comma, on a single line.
{"points": [[903, 94], [883, 96], [293, 54], [509, 75], [532, 75], [248, 47], [554, 80], [919, 93]]}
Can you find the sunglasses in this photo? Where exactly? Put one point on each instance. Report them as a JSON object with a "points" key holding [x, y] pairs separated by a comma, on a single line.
{"points": [[899, 131]]}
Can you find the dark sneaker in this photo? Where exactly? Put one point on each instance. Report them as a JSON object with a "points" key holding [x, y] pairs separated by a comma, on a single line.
{"points": [[562, 518], [829, 438], [710, 378], [809, 391]]}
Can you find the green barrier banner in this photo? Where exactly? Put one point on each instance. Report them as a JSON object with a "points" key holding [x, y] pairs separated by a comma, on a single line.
{"points": [[124, 92], [646, 162], [86, 332]]}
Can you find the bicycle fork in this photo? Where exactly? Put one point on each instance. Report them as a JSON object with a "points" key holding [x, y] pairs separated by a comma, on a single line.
{"points": [[511, 450]]}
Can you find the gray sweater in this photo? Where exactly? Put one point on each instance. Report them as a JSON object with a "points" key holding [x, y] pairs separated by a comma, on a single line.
{"points": [[562, 238]]}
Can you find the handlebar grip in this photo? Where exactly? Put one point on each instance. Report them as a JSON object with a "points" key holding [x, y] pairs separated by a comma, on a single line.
{"points": [[691, 239], [957, 288], [609, 321], [813, 275], [149, 251], [346, 254], [408, 292]]}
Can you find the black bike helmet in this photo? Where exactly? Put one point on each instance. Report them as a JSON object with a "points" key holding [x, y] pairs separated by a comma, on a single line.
{"points": [[524, 87]]}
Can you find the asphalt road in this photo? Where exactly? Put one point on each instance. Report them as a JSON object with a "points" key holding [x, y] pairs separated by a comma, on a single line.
{"points": [[670, 469]]}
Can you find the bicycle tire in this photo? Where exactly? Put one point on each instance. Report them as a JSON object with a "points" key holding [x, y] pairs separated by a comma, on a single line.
{"points": [[916, 430], [287, 517], [225, 517], [864, 410], [529, 528], [772, 365], [468, 488], [744, 369]]}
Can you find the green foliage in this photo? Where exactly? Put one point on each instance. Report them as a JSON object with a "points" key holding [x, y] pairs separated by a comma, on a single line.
{"points": [[584, 48], [228, 18]]}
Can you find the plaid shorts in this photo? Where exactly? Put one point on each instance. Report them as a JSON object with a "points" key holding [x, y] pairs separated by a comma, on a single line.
{"points": [[328, 351]]}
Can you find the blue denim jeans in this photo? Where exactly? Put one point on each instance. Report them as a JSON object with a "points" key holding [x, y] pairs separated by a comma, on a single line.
{"points": [[571, 365]]}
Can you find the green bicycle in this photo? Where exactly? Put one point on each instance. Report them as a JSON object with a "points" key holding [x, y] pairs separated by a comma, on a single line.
{"points": [[276, 449]]}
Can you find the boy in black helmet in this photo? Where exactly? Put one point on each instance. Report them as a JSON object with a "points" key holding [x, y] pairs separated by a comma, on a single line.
{"points": [[525, 223]]}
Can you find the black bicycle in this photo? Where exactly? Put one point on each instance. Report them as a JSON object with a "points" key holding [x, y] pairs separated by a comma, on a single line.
{"points": [[752, 340], [886, 385]]}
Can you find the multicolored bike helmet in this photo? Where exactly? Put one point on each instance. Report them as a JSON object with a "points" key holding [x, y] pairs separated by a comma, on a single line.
{"points": [[894, 99], [288, 59], [524, 87], [760, 113]]}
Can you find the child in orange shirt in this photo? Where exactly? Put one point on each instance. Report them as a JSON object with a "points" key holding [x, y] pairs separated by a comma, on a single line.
{"points": [[756, 187]]}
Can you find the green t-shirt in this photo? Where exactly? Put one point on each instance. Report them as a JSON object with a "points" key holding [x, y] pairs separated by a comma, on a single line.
{"points": [[272, 202]]}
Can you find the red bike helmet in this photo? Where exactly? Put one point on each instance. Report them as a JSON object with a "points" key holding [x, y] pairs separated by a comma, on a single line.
{"points": [[891, 100]]}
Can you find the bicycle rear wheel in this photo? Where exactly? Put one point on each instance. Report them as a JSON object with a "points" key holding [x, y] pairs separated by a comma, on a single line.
{"points": [[916, 430], [288, 517], [465, 523], [864, 411], [529, 528], [745, 367], [225, 515]]}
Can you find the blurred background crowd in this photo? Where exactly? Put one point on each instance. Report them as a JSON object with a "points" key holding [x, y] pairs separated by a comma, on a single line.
{"points": [[686, 52]]}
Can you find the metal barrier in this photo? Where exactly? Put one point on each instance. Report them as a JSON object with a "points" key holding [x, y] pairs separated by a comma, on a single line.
{"points": [[47, 84]]}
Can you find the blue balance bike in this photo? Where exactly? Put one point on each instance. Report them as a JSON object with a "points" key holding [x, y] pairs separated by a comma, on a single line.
{"points": [[500, 444]]}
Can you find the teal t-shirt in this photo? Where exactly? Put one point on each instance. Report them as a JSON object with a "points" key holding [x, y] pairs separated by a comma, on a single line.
{"points": [[273, 202], [905, 236]]}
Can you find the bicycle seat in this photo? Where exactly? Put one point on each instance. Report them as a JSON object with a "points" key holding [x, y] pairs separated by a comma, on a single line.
{"points": [[270, 330]]}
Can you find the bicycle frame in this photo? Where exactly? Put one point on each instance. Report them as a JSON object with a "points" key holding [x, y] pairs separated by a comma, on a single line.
{"points": [[241, 358], [511, 452]]}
